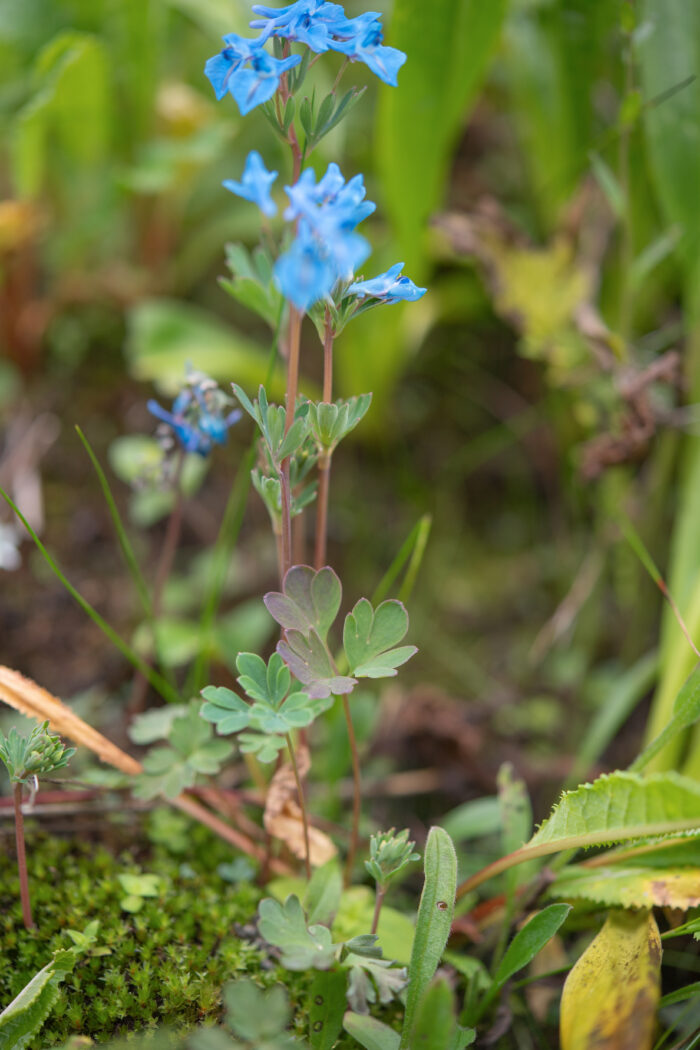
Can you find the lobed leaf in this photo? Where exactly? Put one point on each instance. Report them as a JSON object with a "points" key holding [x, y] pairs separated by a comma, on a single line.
{"points": [[308, 660], [225, 710], [309, 602], [369, 636], [303, 947]]}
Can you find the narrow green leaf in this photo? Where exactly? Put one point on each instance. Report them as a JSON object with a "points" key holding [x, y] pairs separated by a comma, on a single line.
{"points": [[370, 1033], [530, 940], [686, 711], [433, 923], [122, 536], [412, 548]]}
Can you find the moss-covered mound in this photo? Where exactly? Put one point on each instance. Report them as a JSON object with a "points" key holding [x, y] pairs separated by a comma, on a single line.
{"points": [[164, 963]]}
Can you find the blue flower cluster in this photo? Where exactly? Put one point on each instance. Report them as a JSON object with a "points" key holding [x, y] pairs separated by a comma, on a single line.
{"points": [[245, 70], [326, 250], [198, 417]]}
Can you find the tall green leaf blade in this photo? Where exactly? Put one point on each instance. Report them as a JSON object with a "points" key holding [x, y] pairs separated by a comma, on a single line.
{"points": [[448, 43], [530, 940], [433, 923]]}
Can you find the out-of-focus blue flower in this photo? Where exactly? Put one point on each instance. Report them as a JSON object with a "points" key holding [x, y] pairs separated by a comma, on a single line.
{"points": [[198, 418], [309, 22], [391, 286], [327, 248], [245, 70], [255, 184], [360, 40]]}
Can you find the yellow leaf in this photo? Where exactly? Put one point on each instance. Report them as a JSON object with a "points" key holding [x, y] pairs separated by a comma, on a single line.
{"points": [[610, 997]]}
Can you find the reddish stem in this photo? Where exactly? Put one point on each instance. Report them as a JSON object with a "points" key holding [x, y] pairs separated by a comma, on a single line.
{"points": [[356, 794], [292, 390], [22, 859], [378, 901], [324, 462]]}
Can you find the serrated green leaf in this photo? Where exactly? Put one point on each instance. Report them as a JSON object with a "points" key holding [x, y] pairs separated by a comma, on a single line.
{"points": [[24, 1017]]}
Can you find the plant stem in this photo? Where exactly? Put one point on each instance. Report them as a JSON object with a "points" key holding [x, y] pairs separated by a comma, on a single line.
{"points": [[378, 901], [302, 805], [356, 794], [292, 390], [22, 859], [324, 462]]}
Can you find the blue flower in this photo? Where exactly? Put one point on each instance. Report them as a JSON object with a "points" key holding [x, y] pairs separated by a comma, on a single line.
{"points": [[255, 184], [229, 71], [360, 40], [391, 286], [309, 22], [326, 249], [197, 416]]}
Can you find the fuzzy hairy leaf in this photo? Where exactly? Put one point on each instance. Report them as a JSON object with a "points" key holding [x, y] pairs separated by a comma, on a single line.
{"points": [[610, 996], [630, 887], [372, 980]]}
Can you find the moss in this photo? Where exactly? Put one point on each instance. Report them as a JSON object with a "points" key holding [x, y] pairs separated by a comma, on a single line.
{"points": [[166, 964]]}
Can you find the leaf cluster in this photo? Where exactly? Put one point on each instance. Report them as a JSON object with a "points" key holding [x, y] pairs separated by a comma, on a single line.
{"points": [[37, 754], [306, 609], [275, 710], [389, 854], [191, 750]]}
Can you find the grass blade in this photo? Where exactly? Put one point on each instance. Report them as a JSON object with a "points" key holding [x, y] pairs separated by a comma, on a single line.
{"points": [[124, 541], [411, 551], [156, 680]]}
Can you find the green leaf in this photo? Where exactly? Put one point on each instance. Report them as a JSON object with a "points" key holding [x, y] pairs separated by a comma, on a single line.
{"points": [[370, 1033], [155, 724], [225, 710], [323, 893], [433, 923], [170, 770], [369, 635], [530, 940], [303, 947], [310, 600], [298, 711], [26, 1014], [268, 683], [310, 663], [436, 1026], [686, 711], [253, 1014], [266, 748], [354, 918], [448, 43], [619, 806], [628, 886], [326, 1005]]}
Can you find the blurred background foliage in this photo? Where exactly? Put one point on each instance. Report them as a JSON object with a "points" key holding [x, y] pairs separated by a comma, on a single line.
{"points": [[538, 167]]}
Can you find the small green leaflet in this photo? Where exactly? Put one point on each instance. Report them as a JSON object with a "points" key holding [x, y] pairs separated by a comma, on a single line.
{"points": [[369, 637], [269, 683], [170, 770], [225, 710]]}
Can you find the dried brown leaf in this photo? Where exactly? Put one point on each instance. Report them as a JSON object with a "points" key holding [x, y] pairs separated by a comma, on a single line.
{"points": [[283, 819], [31, 699]]}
